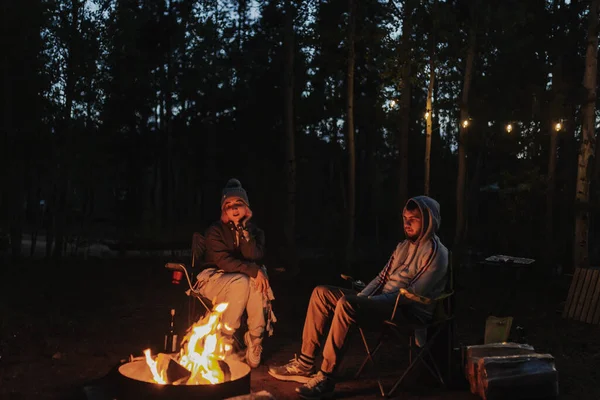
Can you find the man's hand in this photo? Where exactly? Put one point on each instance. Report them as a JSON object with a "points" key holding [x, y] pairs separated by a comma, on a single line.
{"points": [[262, 282]]}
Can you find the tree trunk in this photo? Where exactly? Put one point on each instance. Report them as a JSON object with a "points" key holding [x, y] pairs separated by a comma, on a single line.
{"points": [[167, 180], [50, 221], [17, 196], [405, 100], [290, 216], [556, 109], [429, 112], [569, 152], [64, 160], [588, 144], [550, 190], [462, 143], [350, 130]]}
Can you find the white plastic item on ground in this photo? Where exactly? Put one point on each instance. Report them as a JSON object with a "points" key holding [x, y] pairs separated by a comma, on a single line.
{"points": [[476, 352], [525, 376], [262, 395]]}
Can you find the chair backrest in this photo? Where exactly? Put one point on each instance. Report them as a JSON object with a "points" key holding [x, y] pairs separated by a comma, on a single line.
{"points": [[450, 273], [450, 286], [445, 307], [198, 249]]}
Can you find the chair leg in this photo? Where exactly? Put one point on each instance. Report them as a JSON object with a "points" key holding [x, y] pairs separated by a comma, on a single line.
{"points": [[410, 349], [450, 355], [191, 311], [406, 371], [369, 357], [435, 371], [419, 357]]}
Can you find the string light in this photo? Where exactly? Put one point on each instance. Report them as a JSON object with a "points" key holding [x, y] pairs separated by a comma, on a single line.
{"points": [[465, 123], [558, 126], [426, 114], [392, 103], [509, 128]]}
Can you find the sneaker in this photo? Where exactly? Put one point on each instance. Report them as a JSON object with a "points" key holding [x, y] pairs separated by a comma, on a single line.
{"points": [[253, 350], [293, 371], [319, 387]]}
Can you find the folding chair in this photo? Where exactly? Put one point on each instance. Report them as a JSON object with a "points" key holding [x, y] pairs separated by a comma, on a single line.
{"points": [[197, 265], [442, 319]]}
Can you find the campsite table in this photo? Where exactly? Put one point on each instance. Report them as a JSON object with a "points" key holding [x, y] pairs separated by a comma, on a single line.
{"points": [[502, 271]]}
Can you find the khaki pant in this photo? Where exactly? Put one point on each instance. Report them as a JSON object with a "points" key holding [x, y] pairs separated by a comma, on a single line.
{"points": [[240, 293], [343, 309]]}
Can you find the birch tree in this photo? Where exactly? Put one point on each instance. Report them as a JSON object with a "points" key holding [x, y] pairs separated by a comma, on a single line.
{"points": [[587, 149]]}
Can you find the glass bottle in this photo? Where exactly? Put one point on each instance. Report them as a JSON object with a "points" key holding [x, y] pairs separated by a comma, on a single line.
{"points": [[171, 336]]}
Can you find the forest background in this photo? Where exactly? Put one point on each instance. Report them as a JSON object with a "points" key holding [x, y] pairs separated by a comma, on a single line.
{"points": [[122, 120]]}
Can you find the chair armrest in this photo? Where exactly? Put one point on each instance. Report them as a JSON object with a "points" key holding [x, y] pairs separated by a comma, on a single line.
{"points": [[443, 296], [416, 297], [356, 284], [411, 296]]}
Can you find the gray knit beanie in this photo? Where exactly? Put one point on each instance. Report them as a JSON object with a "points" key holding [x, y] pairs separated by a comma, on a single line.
{"points": [[234, 188]]}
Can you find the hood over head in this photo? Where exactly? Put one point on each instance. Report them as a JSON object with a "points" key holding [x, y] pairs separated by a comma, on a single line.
{"points": [[430, 211]]}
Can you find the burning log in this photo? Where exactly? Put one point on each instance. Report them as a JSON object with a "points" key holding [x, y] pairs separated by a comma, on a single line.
{"points": [[202, 356], [226, 370], [174, 373]]}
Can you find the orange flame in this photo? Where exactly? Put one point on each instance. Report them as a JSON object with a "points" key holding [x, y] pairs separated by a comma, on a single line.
{"points": [[158, 377], [202, 349]]}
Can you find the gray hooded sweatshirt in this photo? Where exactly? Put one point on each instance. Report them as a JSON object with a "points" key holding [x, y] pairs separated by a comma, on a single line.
{"points": [[419, 266]]}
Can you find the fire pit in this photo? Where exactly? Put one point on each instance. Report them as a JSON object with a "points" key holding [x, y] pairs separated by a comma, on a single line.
{"points": [[203, 368], [135, 381]]}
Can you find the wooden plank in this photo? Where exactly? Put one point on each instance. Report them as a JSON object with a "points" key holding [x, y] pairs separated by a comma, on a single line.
{"points": [[587, 301], [578, 283], [571, 292], [596, 319], [596, 314], [595, 300], [584, 289]]}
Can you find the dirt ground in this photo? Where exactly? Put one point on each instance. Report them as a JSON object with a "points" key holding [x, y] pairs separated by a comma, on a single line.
{"points": [[64, 327]]}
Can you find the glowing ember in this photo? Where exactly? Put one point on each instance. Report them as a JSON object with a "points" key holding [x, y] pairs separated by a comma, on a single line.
{"points": [[203, 352]]}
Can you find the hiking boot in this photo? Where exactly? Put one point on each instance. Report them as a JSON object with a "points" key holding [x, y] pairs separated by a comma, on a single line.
{"points": [[253, 350], [294, 371], [319, 387]]}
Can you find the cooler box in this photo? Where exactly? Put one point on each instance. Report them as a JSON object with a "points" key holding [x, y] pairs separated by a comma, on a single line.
{"points": [[525, 376], [474, 353]]}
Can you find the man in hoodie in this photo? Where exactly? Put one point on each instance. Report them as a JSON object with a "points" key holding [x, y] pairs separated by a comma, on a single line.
{"points": [[418, 265], [234, 245]]}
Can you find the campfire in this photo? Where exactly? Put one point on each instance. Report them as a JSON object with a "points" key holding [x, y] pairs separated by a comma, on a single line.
{"points": [[203, 368], [201, 360]]}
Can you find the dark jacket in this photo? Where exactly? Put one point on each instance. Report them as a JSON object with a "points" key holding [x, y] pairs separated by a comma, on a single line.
{"points": [[222, 251]]}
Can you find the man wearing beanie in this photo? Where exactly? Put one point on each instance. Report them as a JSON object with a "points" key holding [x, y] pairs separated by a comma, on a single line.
{"points": [[418, 265], [234, 245]]}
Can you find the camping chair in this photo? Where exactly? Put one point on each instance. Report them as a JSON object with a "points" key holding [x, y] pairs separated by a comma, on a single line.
{"points": [[197, 265], [442, 319]]}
